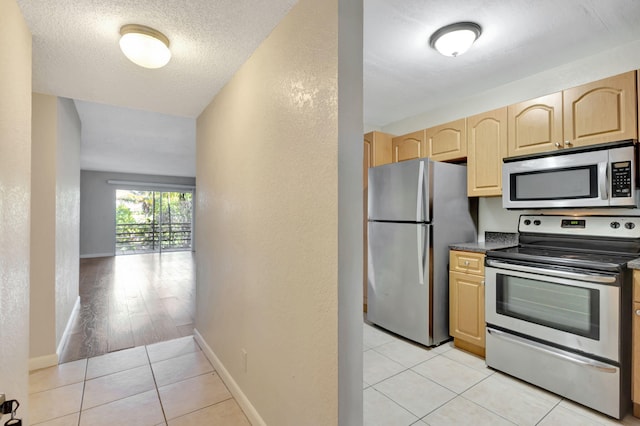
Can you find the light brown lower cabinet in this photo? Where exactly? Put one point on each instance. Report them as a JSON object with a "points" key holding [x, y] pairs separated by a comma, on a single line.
{"points": [[635, 356], [466, 301]]}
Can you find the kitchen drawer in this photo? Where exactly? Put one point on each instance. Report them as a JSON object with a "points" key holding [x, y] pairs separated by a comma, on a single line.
{"points": [[466, 262]]}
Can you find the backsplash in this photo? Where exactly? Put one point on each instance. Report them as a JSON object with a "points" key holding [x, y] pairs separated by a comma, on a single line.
{"points": [[501, 237]]}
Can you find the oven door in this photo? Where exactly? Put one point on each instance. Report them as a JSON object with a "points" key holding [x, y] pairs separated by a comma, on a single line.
{"points": [[576, 310]]}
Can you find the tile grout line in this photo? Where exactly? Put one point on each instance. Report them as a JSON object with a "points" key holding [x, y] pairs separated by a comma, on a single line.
{"points": [[84, 385], [164, 414]]}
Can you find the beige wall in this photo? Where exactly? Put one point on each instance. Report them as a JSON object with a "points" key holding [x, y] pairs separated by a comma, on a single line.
{"points": [[267, 216], [55, 224], [15, 166], [43, 222]]}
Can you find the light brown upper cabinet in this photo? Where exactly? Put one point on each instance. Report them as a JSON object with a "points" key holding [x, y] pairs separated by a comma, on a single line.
{"points": [[408, 147], [535, 125], [597, 112], [602, 111], [486, 147], [377, 149], [448, 141]]}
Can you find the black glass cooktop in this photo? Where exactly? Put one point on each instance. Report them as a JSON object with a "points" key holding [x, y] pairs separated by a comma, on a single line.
{"points": [[600, 260]]}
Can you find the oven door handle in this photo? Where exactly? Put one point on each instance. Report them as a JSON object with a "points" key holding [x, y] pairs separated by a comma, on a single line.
{"points": [[558, 353], [596, 278]]}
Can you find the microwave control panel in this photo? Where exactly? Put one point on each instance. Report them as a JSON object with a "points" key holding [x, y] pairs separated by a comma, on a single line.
{"points": [[621, 179]]}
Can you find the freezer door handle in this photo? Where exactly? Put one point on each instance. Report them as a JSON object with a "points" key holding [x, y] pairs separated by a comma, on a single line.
{"points": [[419, 209], [420, 254]]}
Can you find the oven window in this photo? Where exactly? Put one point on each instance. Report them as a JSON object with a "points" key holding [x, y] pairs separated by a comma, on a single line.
{"points": [[557, 184], [575, 310]]}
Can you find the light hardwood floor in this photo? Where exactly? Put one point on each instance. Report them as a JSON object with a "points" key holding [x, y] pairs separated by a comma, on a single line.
{"points": [[134, 300]]}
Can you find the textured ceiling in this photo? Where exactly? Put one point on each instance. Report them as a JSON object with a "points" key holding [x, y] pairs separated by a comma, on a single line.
{"points": [[404, 77], [135, 119], [76, 55]]}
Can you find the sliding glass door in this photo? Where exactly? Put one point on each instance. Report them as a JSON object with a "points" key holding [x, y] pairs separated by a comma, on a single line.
{"points": [[153, 221]]}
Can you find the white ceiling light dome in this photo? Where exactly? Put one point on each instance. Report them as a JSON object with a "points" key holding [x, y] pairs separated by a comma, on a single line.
{"points": [[455, 39], [144, 46]]}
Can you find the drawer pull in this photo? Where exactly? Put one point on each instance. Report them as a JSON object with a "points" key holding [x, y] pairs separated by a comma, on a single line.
{"points": [[466, 263], [638, 312]]}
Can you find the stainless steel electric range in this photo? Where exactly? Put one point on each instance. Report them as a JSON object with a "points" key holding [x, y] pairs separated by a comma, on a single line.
{"points": [[559, 306]]}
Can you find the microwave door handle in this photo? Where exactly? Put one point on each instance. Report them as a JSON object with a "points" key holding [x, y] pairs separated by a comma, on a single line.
{"points": [[602, 180]]}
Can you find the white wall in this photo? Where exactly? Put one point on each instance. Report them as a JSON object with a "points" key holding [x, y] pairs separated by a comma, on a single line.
{"points": [[491, 216], [55, 224], [279, 157], [15, 194], [67, 233], [98, 206]]}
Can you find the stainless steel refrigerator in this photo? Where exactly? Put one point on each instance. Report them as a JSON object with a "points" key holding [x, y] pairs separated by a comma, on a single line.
{"points": [[416, 209]]}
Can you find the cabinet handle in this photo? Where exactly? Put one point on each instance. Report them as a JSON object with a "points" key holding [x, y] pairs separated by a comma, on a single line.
{"points": [[482, 283], [466, 263], [638, 312], [568, 143], [558, 145]]}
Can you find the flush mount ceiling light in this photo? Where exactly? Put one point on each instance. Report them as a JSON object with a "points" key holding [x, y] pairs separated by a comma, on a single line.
{"points": [[144, 46], [455, 39]]}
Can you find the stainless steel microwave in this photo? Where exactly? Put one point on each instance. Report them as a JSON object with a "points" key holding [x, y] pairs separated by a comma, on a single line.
{"points": [[595, 176]]}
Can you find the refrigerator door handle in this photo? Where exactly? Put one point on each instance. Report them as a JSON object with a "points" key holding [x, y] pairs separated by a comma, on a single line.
{"points": [[420, 254], [419, 209]]}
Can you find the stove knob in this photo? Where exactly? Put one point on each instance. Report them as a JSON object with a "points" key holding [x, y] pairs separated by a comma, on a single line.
{"points": [[629, 225], [615, 225], [536, 222], [527, 222]]}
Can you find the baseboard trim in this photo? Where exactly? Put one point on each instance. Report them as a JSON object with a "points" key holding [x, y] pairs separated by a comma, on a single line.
{"points": [[67, 329], [248, 408], [86, 256], [44, 361]]}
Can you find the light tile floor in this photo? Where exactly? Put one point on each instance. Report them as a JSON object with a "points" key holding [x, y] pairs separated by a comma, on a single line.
{"points": [[169, 383], [407, 384], [172, 383]]}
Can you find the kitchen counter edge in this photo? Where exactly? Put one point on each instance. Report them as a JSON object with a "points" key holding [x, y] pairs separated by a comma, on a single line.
{"points": [[483, 247]]}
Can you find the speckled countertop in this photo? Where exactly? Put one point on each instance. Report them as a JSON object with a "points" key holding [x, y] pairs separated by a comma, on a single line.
{"points": [[634, 264], [492, 241]]}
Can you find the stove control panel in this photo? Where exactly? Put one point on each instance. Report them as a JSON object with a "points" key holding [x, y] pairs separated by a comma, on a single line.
{"points": [[594, 226]]}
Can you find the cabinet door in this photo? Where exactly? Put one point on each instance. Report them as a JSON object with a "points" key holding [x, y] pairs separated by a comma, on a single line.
{"points": [[448, 141], [535, 125], [466, 308], [635, 368], [602, 111], [379, 145], [486, 147], [635, 358], [408, 147]]}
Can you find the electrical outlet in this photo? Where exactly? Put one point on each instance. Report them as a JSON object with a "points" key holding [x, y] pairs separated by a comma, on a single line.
{"points": [[244, 360]]}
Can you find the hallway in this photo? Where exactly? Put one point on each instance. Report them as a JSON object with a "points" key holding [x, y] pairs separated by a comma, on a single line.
{"points": [[165, 383], [134, 300], [131, 357]]}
